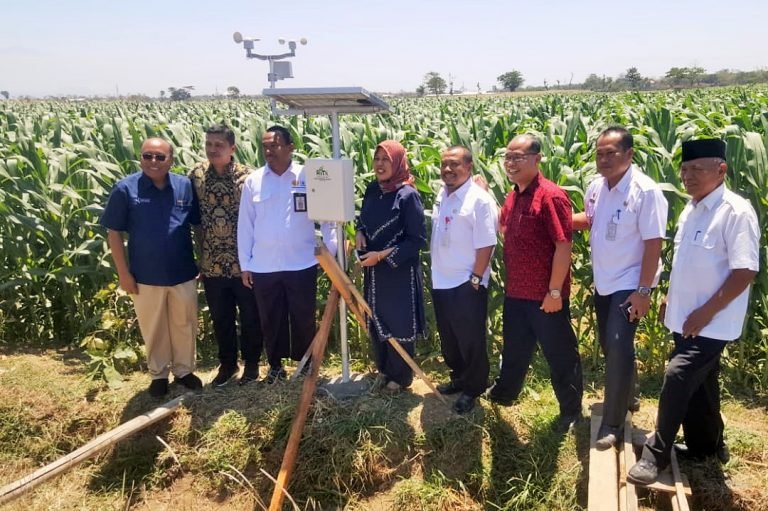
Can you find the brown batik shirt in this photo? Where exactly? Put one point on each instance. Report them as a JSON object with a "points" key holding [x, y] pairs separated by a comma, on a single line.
{"points": [[219, 197]]}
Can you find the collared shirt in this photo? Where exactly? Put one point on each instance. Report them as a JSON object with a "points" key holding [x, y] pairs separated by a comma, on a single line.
{"points": [[271, 236], [715, 236], [532, 221], [158, 226], [621, 219], [219, 198], [462, 222]]}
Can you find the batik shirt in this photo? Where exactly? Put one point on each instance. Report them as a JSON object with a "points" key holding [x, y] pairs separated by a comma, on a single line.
{"points": [[219, 198]]}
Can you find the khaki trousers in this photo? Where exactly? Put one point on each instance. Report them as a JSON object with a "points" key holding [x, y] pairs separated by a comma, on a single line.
{"points": [[168, 322]]}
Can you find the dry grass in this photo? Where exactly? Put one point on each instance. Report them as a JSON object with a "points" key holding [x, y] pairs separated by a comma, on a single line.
{"points": [[404, 453]]}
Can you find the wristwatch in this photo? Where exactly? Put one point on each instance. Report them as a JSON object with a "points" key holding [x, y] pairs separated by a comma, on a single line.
{"points": [[475, 279], [554, 293], [644, 291]]}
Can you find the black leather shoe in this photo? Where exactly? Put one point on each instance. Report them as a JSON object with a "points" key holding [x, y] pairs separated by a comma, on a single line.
{"points": [[464, 404], [158, 387], [644, 472], [449, 388], [608, 437], [497, 397], [224, 375], [250, 373], [191, 381], [276, 374], [567, 422]]}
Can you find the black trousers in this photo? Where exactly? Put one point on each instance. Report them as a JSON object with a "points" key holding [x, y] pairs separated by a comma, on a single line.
{"points": [[226, 297], [617, 339], [524, 324], [690, 396], [286, 297], [389, 362], [461, 315]]}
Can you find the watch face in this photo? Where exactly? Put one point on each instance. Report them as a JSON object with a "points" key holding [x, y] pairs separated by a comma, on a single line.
{"points": [[474, 280]]}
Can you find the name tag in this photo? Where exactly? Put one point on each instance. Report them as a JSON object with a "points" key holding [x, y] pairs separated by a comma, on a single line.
{"points": [[299, 202]]}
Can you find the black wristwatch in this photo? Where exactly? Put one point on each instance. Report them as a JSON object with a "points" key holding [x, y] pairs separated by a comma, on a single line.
{"points": [[475, 279], [644, 291]]}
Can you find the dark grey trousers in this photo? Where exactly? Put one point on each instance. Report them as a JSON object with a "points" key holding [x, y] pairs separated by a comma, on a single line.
{"points": [[617, 339]]}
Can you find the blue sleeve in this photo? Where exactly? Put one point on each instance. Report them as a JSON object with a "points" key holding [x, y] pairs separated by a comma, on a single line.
{"points": [[415, 231], [115, 215], [194, 214]]}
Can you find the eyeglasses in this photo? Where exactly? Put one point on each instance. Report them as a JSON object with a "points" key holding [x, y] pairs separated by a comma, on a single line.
{"points": [[517, 158], [156, 157]]}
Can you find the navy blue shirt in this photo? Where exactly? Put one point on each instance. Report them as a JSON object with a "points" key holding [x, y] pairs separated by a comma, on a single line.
{"points": [[158, 226]]}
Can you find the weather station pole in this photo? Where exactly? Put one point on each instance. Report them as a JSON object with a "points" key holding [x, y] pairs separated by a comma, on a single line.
{"points": [[331, 101]]}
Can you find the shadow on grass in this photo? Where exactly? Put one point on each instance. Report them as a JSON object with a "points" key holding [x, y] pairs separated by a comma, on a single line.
{"points": [[225, 437]]}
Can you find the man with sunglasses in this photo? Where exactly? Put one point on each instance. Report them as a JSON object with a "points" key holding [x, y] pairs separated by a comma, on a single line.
{"points": [[156, 209], [537, 225], [626, 213], [716, 258], [276, 251]]}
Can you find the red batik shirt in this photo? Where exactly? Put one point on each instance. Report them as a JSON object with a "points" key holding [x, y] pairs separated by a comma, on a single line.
{"points": [[532, 222]]}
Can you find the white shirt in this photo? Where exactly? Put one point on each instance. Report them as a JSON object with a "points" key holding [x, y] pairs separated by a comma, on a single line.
{"points": [[271, 236], [718, 234], [621, 219], [462, 222]]}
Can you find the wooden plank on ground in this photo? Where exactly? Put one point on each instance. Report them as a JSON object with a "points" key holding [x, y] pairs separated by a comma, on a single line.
{"points": [[628, 455], [91, 449], [603, 491], [665, 482], [682, 501]]}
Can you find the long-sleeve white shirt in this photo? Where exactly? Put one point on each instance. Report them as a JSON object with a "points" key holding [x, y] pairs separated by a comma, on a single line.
{"points": [[271, 236]]}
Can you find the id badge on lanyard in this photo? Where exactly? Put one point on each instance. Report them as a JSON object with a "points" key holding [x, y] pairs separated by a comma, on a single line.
{"points": [[613, 224], [299, 196]]}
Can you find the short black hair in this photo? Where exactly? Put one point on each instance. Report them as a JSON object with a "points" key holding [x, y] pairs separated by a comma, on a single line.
{"points": [[282, 132], [626, 142], [535, 142], [467, 152], [223, 130]]}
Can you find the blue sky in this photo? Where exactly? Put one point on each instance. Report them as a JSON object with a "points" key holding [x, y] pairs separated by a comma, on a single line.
{"points": [[92, 47]]}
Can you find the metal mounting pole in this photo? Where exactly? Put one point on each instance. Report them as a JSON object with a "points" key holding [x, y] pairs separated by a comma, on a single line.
{"points": [[340, 256]]}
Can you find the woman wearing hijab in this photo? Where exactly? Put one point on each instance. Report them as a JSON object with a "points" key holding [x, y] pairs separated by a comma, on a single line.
{"points": [[390, 234]]}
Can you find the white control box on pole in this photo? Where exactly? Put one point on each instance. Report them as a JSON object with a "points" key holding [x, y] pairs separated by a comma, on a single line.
{"points": [[330, 190]]}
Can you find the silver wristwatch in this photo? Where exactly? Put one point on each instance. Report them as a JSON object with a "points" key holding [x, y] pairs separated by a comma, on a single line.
{"points": [[554, 293], [644, 291]]}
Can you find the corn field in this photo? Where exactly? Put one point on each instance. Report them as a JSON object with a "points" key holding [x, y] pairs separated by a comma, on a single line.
{"points": [[59, 160]]}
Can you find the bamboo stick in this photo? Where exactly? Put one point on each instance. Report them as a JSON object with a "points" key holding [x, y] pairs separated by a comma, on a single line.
{"points": [[352, 296], [305, 400], [412, 364], [341, 281], [95, 446], [302, 362]]}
